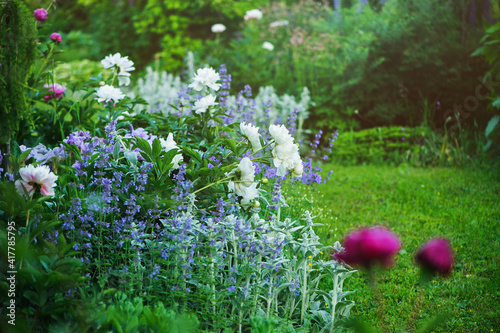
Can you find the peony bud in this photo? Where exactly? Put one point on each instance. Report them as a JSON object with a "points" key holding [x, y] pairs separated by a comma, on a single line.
{"points": [[436, 257], [256, 204], [368, 246], [56, 38], [40, 14], [264, 181]]}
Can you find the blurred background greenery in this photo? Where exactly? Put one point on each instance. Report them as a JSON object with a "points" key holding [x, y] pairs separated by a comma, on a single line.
{"points": [[367, 63]]}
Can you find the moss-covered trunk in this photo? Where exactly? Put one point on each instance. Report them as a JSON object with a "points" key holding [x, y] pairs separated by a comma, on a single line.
{"points": [[17, 52]]}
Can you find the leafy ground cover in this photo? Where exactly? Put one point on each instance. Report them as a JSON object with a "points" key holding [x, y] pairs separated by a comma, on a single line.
{"points": [[419, 204]]}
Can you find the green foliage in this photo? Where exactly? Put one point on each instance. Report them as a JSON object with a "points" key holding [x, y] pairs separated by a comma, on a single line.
{"points": [[17, 53], [45, 270], [383, 145], [185, 25], [489, 49], [76, 73], [127, 316], [381, 63]]}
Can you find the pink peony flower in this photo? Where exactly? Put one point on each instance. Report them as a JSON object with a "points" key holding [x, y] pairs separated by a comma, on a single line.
{"points": [[368, 246], [254, 14], [436, 256], [40, 14], [56, 38], [34, 178], [57, 90]]}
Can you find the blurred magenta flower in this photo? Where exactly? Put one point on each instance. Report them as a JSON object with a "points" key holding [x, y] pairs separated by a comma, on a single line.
{"points": [[57, 89], [436, 256], [40, 14], [368, 246], [55, 37]]}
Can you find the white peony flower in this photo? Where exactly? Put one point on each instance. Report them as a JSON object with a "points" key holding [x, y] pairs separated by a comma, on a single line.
{"points": [[252, 134], [203, 104], [249, 194], [268, 46], [168, 145], [253, 14], [286, 157], [298, 169], [109, 93], [285, 152], [280, 134], [34, 178], [218, 28], [245, 186], [122, 64], [206, 77]]}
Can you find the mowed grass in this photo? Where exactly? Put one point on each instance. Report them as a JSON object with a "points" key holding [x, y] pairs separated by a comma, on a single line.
{"points": [[461, 205]]}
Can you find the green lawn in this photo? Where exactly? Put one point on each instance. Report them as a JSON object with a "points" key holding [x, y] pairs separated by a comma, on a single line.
{"points": [[418, 204]]}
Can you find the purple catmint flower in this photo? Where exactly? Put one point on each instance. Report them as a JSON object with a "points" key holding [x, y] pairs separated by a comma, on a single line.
{"points": [[436, 257], [368, 246]]}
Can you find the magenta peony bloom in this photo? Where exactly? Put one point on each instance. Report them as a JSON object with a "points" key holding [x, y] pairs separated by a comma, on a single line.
{"points": [[368, 246], [34, 178], [56, 38], [436, 256], [57, 90], [40, 14]]}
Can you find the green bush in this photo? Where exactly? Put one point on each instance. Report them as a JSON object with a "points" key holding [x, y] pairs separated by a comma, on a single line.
{"points": [[383, 63], [17, 53], [382, 145]]}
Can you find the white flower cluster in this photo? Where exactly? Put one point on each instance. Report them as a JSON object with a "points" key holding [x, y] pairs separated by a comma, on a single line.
{"points": [[253, 14], [285, 152], [268, 46], [218, 28]]}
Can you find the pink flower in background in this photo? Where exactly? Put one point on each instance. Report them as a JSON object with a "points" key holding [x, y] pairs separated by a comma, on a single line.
{"points": [[40, 14], [368, 246], [57, 89], [253, 14], [436, 256], [36, 178], [56, 38], [278, 23]]}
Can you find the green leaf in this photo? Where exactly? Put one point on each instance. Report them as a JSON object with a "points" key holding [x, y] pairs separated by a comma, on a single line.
{"points": [[116, 150], [491, 125], [156, 149], [131, 156]]}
